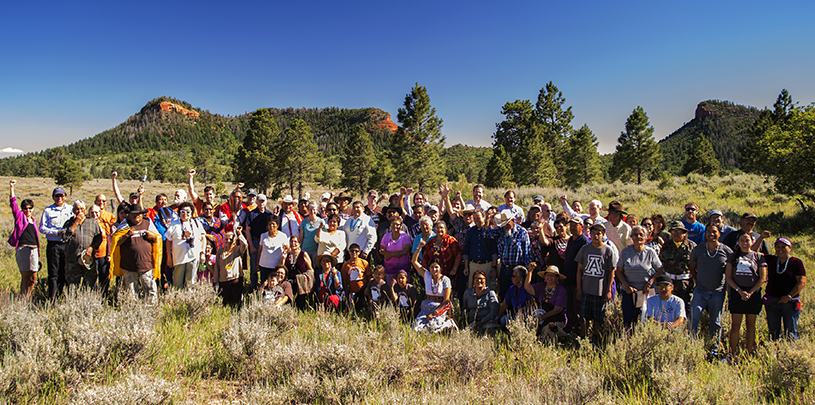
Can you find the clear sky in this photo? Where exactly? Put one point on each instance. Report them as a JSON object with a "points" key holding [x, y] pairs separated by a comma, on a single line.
{"points": [[69, 70]]}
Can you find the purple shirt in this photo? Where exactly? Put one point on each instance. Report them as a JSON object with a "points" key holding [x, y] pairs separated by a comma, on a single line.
{"points": [[394, 264]]}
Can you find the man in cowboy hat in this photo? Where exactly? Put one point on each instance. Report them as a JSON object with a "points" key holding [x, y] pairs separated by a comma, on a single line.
{"points": [[675, 258], [136, 253], [289, 218], [617, 231], [513, 245], [343, 200]]}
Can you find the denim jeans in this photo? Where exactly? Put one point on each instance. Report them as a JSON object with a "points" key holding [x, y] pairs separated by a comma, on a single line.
{"points": [[253, 261], [714, 302], [789, 313]]}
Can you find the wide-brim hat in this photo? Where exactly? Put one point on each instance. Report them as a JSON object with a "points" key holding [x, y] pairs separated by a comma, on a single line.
{"points": [[677, 225], [320, 258], [553, 270], [616, 206], [393, 207], [502, 218], [288, 199], [342, 196], [468, 209], [136, 209]]}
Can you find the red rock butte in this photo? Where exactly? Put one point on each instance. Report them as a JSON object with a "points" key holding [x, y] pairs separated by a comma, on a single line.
{"points": [[387, 123], [168, 106]]}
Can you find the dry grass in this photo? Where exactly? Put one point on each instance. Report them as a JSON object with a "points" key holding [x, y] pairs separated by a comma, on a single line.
{"points": [[189, 349]]}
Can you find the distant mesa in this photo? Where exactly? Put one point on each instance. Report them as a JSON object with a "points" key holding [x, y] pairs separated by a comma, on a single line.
{"points": [[702, 111], [387, 123], [168, 106]]}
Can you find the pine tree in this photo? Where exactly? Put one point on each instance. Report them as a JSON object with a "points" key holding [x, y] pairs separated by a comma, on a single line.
{"points": [[416, 144], [69, 174], [298, 159], [381, 174], [254, 163], [702, 159], [357, 160], [533, 163], [498, 171], [637, 151], [555, 122], [582, 162]]}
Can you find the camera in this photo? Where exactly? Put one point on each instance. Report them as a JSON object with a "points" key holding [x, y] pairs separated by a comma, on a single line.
{"points": [[191, 242]]}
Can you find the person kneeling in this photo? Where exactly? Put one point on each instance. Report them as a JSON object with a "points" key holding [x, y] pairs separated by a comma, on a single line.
{"points": [[666, 308]]}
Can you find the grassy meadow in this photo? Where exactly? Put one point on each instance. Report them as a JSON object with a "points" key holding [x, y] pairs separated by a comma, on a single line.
{"points": [[189, 349]]}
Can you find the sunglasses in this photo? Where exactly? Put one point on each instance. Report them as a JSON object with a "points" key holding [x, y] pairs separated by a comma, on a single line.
{"points": [[353, 251], [690, 209]]}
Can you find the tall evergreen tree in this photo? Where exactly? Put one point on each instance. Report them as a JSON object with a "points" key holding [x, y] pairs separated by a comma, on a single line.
{"points": [[254, 163], [416, 145], [555, 122], [637, 151], [701, 159], [357, 160], [533, 163], [381, 174], [753, 158], [517, 124], [582, 161], [498, 169], [298, 159], [70, 175]]}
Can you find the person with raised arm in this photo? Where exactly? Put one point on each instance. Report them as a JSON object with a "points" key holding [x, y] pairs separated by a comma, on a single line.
{"points": [[25, 239], [209, 195], [478, 198], [435, 309]]}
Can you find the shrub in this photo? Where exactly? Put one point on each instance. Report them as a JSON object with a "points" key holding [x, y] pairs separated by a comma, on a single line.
{"points": [[190, 304], [136, 389]]}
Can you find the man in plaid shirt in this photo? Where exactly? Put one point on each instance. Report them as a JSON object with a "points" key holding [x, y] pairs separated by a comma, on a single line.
{"points": [[513, 247]]}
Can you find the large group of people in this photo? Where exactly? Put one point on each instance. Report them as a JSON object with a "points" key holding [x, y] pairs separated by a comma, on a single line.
{"points": [[466, 260]]}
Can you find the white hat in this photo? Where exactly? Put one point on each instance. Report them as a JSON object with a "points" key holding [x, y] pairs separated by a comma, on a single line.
{"points": [[288, 199], [325, 196], [503, 218], [467, 209]]}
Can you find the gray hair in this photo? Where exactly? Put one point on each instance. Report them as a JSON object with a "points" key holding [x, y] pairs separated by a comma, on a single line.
{"points": [[79, 204], [597, 203], [639, 228], [426, 219]]}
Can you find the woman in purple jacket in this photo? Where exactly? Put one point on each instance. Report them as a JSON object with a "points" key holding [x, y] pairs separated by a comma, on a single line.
{"points": [[25, 238]]}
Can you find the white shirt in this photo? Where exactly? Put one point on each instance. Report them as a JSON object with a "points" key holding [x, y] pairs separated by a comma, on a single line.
{"points": [[326, 243], [290, 224], [518, 211], [183, 252], [360, 231], [272, 247], [483, 204]]}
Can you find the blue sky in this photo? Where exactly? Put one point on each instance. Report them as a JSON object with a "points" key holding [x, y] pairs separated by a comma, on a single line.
{"points": [[71, 70]]}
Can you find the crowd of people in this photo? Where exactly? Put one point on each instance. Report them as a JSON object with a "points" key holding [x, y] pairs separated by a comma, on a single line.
{"points": [[457, 259]]}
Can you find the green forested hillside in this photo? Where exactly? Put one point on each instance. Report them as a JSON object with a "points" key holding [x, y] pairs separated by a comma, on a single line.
{"points": [[167, 143], [725, 125]]}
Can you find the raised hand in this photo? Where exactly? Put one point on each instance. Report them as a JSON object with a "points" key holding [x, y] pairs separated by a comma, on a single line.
{"points": [[192, 172], [113, 175]]}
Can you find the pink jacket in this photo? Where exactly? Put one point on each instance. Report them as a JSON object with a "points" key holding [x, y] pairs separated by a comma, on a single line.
{"points": [[20, 223]]}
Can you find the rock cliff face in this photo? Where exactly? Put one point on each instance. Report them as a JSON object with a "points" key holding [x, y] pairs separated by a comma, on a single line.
{"points": [[702, 111], [387, 123], [168, 106]]}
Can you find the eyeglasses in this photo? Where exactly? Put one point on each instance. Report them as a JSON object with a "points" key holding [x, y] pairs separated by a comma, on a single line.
{"points": [[185, 212], [690, 209], [27, 208], [649, 225], [479, 280], [354, 251]]}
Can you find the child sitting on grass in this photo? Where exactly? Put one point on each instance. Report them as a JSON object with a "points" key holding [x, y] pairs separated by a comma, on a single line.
{"points": [[375, 292]]}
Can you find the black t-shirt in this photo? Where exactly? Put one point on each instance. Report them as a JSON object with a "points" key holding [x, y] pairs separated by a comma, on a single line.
{"points": [[257, 222], [569, 268], [29, 236], [779, 285]]}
